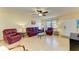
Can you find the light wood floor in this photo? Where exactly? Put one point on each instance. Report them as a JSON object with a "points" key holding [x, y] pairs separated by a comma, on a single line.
{"points": [[45, 43]]}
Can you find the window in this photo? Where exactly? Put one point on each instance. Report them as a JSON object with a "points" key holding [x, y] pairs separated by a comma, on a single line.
{"points": [[51, 23], [54, 24]]}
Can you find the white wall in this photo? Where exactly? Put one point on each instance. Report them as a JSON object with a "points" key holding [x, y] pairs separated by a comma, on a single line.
{"points": [[70, 27], [12, 19]]}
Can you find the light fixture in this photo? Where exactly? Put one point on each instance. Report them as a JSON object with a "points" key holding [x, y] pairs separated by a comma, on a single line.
{"points": [[40, 14], [21, 28]]}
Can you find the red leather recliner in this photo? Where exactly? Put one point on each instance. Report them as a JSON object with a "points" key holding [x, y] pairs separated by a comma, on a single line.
{"points": [[11, 35], [49, 31]]}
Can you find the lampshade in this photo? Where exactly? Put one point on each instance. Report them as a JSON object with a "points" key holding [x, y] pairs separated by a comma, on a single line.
{"points": [[22, 28]]}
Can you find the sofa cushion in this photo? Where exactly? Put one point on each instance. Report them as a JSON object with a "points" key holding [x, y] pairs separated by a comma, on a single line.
{"points": [[13, 34]]}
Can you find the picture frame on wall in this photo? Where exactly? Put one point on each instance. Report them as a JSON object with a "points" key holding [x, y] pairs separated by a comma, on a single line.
{"points": [[77, 25]]}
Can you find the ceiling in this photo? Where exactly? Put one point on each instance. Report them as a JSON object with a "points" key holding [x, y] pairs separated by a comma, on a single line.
{"points": [[10, 15], [52, 11]]}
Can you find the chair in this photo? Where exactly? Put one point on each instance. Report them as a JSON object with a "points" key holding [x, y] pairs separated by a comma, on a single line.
{"points": [[49, 31], [11, 35]]}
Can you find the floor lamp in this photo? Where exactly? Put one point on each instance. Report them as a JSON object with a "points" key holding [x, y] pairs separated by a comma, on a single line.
{"points": [[22, 28]]}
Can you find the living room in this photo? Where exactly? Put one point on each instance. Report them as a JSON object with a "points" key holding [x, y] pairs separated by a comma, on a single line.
{"points": [[37, 29]]}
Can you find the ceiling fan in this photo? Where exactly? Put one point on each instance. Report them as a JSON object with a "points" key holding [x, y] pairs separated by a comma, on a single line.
{"points": [[40, 12]]}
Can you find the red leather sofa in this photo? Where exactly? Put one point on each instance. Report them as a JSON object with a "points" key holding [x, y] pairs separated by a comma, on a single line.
{"points": [[49, 31], [32, 31], [11, 35]]}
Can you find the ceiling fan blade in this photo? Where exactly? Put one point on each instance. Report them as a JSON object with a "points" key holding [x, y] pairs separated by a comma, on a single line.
{"points": [[39, 11], [44, 15], [45, 12]]}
